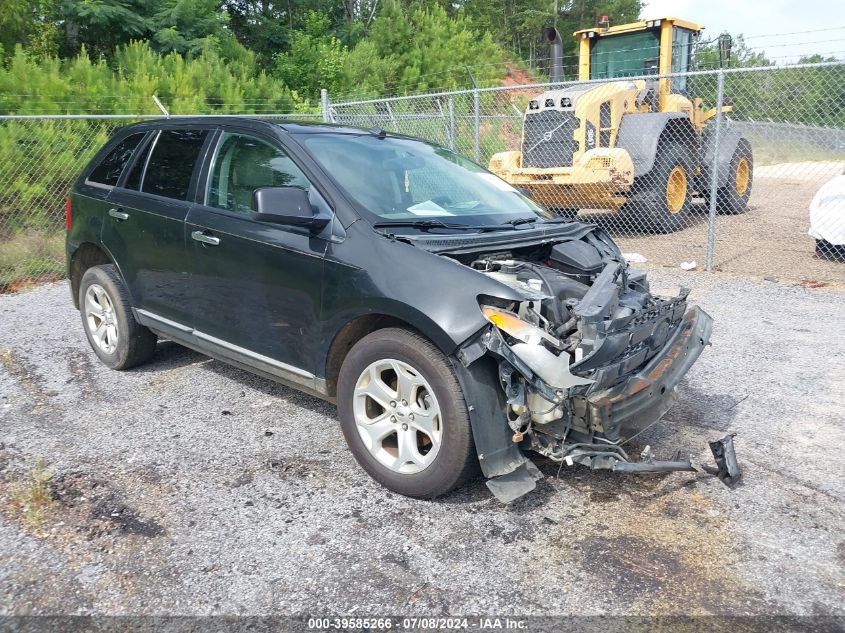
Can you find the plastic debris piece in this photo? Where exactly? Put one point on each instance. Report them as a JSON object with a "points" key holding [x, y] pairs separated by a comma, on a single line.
{"points": [[634, 258]]}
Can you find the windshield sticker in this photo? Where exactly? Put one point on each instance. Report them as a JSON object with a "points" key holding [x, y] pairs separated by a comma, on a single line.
{"points": [[428, 208]]}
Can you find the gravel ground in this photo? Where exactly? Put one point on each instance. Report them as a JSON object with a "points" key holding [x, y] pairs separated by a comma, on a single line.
{"points": [[190, 487]]}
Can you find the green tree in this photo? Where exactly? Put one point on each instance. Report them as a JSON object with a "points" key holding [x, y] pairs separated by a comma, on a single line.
{"points": [[706, 54], [22, 22], [422, 48], [189, 26], [102, 25], [518, 24], [316, 58]]}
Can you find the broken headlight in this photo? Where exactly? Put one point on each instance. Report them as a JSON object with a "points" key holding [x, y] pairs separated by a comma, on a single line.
{"points": [[551, 367], [522, 330]]}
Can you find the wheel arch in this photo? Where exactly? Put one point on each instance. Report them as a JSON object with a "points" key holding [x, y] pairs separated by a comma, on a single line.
{"points": [[729, 139], [642, 134], [86, 256], [478, 381], [360, 326]]}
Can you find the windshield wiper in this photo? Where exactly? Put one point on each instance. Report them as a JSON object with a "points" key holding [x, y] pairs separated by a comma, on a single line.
{"points": [[439, 224], [518, 221]]}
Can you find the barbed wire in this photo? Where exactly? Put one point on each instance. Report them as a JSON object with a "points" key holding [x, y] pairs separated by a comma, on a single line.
{"points": [[536, 65], [761, 35], [573, 58]]}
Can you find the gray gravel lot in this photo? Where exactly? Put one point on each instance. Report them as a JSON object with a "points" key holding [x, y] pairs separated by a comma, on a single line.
{"points": [[190, 487]]}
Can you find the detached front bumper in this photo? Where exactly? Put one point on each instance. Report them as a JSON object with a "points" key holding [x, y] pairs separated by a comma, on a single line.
{"points": [[617, 413], [626, 409]]}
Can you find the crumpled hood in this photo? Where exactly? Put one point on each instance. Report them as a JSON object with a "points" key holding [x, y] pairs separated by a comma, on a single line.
{"points": [[488, 242]]}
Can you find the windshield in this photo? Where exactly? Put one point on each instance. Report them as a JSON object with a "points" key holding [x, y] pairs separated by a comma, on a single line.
{"points": [[404, 180]]}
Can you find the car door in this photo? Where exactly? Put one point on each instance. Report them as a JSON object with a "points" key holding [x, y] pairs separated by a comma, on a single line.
{"points": [[91, 206], [145, 230], [256, 285]]}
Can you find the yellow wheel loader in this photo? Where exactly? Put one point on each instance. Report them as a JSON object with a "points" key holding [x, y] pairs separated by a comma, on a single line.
{"points": [[642, 147]]}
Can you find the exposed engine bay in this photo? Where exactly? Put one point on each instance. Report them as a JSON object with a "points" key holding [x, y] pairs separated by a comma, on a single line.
{"points": [[589, 358]]}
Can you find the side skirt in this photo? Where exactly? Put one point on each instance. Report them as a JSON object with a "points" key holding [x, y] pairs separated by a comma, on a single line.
{"points": [[240, 357]]}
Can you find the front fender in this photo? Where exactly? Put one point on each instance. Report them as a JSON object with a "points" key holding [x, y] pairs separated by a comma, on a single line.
{"points": [[639, 134], [373, 274], [729, 138], [497, 453]]}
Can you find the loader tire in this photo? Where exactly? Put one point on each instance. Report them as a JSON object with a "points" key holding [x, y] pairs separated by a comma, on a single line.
{"points": [[660, 200], [732, 199]]}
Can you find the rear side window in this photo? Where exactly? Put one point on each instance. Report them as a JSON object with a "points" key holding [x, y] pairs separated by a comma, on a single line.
{"points": [[110, 168], [171, 164]]}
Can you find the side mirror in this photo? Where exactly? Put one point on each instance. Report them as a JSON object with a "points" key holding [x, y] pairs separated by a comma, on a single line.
{"points": [[286, 205]]}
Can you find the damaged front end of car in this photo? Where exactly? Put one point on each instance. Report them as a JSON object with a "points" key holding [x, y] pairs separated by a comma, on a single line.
{"points": [[585, 362]]}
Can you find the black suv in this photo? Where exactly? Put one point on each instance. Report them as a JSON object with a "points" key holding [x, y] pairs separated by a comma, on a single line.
{"points": [[454, 322]]}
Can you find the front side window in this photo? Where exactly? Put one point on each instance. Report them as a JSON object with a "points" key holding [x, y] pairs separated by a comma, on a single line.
{"points": [[171, 164], [243, 164], [109, 170]]}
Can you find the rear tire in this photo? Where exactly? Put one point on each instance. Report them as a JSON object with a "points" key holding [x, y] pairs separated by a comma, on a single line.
{"points": [[732, 199], [660, 201], [115, 336], [423, 456]]}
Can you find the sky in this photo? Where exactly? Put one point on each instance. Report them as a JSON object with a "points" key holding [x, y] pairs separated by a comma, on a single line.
{"points": [[756, 19]]}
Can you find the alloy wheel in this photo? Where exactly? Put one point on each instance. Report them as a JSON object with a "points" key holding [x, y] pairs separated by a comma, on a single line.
{"points": [[101, 319], [397, 416]]}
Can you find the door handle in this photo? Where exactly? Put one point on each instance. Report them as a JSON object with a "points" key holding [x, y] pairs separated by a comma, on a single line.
{"points": [[199, 236], [118, 214]]}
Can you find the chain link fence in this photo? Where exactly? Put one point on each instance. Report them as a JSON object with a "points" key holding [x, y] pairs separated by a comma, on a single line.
{"points": [[742, 173], [737, 170], [40, 158]]}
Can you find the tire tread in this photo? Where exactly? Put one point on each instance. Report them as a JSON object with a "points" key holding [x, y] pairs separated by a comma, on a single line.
{"points": [[466, 459], [140, 341]]}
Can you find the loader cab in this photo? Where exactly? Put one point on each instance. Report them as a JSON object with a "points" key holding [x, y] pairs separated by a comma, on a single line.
{"points": [[648, 47]]}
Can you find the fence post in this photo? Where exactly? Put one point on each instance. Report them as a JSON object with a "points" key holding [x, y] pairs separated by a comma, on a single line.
{"points": [[476, 107], [714, 175], [324, 104], [161, 107], [451, 109]]}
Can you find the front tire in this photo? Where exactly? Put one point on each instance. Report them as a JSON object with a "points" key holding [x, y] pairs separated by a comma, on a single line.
{"points": [[732, 199], [661, 199], [403, 414], [116, 337]]}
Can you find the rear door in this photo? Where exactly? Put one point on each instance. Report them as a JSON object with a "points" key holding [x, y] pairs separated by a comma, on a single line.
{"points": [[90, 197], [145, 230], [257, 286]]}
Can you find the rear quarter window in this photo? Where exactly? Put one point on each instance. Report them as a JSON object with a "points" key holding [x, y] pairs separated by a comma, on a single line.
{"points": [[108, 171], [171, 164]]}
